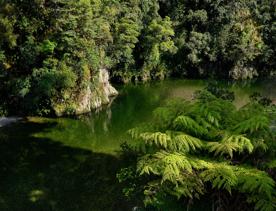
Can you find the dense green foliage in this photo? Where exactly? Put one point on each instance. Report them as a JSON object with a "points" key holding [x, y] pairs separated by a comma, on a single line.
{"points": [[206, 148], [50, 51]]}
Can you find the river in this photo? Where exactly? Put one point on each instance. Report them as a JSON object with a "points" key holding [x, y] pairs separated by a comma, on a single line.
{"points": [[71, 163]]}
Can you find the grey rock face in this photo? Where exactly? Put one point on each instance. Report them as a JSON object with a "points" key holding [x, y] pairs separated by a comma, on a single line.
{"points": [[98, 95]]}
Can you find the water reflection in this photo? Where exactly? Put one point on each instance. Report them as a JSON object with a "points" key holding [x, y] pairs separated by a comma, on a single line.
{"points": [[104, 130]]}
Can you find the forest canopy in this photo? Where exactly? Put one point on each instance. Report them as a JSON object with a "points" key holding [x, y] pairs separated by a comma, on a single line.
{"points": [[50, 51]]}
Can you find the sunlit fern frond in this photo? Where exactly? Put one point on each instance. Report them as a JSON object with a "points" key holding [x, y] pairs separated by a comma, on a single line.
{"points": [[174, 163], [169, 165], [221, 176], [186, 143], [223, 148], [200, 164], [147, 164], [157, 138], [242, 142], [187, 124], [230, 144]]}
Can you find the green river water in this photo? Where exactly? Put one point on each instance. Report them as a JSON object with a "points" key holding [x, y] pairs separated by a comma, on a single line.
{"points": [[71, 163]]}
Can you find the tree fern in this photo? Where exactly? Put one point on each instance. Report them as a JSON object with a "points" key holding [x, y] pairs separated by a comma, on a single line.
{"points": [[137, 131], [187, 143], [221, 176], [259, 144], [265, 205], [174, 164], [176, 141], [189, 185], [259, 187], [157, 138], [187, 124], [148, 165], [254, 181], [210, 111], [169, 165], [202, 121], [255, 123], [223, 148], [186, 137], [164, 116], [243, 142], [231, 144]]}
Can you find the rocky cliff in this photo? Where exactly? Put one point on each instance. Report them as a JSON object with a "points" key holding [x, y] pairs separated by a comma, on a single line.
{"points": [[96, 94]]}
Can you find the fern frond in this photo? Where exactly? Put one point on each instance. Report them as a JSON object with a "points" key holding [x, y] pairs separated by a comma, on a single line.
{"points": [[259, 186], [242, 142], [223, 148], [199, 164], [260, 144], [189, 186], [148, 165], [231, 144], [187, 143], [136, 132], [265, 205], [210, 111], [252, 124], [187, 124], [157, 138], [205, 124], [255, 181], [221, 176], [163, 116], [169, 165], [173, 164]]}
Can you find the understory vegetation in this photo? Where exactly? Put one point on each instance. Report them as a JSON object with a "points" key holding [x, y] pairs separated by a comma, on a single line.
{"points": [[51, 51], [205, 154]]}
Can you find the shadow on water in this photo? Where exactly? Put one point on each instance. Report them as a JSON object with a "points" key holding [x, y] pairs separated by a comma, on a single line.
{"points": [[39, 174]]}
